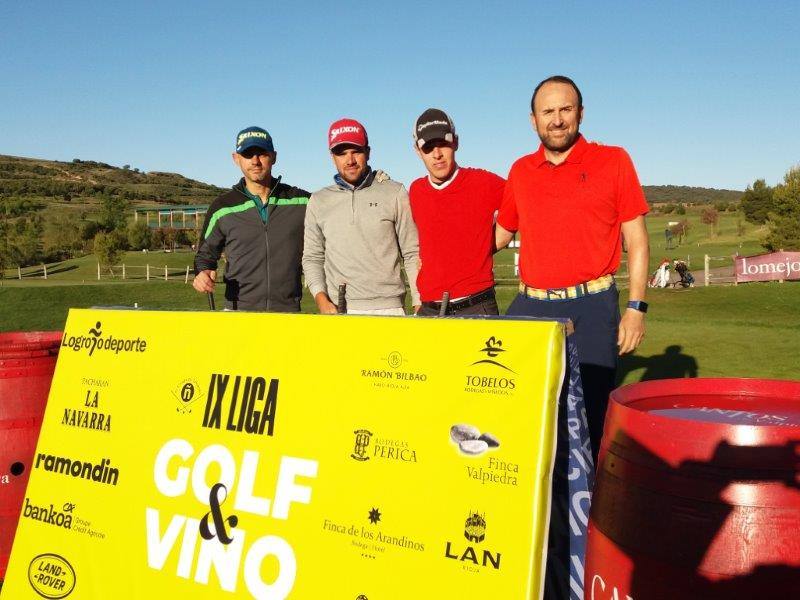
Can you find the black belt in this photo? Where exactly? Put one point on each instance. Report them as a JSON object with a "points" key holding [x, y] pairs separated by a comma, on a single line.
{"points": [[452, 307]]}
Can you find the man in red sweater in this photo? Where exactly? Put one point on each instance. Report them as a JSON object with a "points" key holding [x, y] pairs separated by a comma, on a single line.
{"points": [[454, 210]]}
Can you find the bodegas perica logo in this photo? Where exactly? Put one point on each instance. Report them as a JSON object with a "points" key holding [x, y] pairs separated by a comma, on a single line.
{"points": [[96, 339]]}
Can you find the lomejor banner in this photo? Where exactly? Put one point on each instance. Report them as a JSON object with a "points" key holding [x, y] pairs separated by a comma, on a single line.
{"points": [[208, 455], [776, 266]]}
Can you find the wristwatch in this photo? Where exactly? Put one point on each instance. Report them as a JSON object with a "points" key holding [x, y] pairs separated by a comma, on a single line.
{"points": [[639, 305]]}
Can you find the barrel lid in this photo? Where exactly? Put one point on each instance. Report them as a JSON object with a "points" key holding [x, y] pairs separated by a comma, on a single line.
{"points": [[724, 401], [677, 420]]}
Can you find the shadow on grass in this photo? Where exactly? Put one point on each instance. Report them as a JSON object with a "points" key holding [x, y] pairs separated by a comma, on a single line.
{"points": [[671, 364]]}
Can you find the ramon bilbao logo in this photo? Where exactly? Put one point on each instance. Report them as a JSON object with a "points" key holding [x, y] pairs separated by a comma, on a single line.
{"points": [[96, 340], [51, 576]]}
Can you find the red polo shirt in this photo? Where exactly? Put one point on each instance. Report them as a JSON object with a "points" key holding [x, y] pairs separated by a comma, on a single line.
{"points": [[569, 215], [456, 233]]}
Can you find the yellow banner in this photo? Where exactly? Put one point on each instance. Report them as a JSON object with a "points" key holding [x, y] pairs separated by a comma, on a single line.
{"points": [[216, 455]]}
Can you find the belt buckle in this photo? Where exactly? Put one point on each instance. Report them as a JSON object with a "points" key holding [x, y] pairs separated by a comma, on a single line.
{"points": [[559, 293]]}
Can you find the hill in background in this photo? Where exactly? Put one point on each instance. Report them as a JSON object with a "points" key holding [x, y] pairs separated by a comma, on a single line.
{"points": [[37, 179], [677, 194], [79, 180]]}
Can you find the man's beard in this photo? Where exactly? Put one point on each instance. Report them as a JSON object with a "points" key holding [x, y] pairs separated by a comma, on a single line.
{"points": [[562, 146]]}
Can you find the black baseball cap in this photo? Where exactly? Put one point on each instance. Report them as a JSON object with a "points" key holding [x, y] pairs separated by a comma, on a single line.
{"points": [[434, 124]]}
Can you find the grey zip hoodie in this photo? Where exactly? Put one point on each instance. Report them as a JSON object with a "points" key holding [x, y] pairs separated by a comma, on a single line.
{"points": [[356, 236]]}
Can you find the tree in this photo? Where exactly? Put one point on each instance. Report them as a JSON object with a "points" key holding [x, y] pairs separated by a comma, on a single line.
{"points": [[784, 220], [157, 236], [113, 212], [757, 202], [139, 237], [107, 249], [680, 230], [63, 235], [710, 217], [5, 249], [170, 235], [681, 210], [26, 240]]}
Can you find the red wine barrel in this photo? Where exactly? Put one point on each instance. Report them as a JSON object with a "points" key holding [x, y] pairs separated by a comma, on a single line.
{"points": [[27, 362], [697, 492]]}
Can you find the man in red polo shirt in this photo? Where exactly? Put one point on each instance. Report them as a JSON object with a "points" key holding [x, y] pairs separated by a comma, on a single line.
{"points": [[454, 209], [572, 202]]}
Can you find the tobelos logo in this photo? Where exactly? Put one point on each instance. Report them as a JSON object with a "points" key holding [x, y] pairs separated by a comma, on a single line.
{"points": [[51, 576], [95, 341], [493, 348], [362, 442]]}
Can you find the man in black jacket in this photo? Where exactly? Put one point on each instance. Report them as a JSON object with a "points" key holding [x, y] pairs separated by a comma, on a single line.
{"points": [[258, 225]]}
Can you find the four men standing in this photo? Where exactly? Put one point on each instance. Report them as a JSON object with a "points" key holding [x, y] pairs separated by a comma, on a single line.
{"points": [[572, 202]]}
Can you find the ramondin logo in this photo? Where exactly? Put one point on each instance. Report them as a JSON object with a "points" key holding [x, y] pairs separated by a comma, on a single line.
{"points": [[51, 576], [493, 348], [361, 443], [96, 341], [101, 472]]}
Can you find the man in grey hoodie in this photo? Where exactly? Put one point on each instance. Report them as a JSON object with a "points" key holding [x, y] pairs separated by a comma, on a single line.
{"points": [[356, 232]]}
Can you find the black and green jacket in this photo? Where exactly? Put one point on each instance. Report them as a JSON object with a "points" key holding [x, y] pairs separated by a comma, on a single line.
{"points": [[263, 260]]}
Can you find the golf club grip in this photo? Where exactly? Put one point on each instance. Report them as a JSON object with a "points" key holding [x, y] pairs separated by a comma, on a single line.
{"points": [[341, 304], [445, 302], [211, 300]]}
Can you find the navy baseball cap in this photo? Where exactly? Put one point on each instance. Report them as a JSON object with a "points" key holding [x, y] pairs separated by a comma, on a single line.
{"points": [[254, 137]]}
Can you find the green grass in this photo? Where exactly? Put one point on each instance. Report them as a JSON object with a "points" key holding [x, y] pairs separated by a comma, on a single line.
{"points": [[750, 330], [699, 241]]}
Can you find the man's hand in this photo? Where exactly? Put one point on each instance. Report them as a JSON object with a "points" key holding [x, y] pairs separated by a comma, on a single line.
{"points": [[416, 308], [204, 281], [324, 304], [631, 331]]}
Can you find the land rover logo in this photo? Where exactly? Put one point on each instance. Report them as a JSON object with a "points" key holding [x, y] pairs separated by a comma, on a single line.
{"points": [[51, 576]]}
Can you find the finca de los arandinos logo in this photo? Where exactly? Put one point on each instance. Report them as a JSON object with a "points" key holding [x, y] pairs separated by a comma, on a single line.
{"points": [[95, 339]]}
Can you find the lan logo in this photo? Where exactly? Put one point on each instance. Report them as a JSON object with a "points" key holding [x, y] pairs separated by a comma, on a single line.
{"points": [[492, 349], [475, 532]]}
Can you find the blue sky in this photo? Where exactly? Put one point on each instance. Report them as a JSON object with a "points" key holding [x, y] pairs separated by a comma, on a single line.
{"points": [[703, 94]]}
